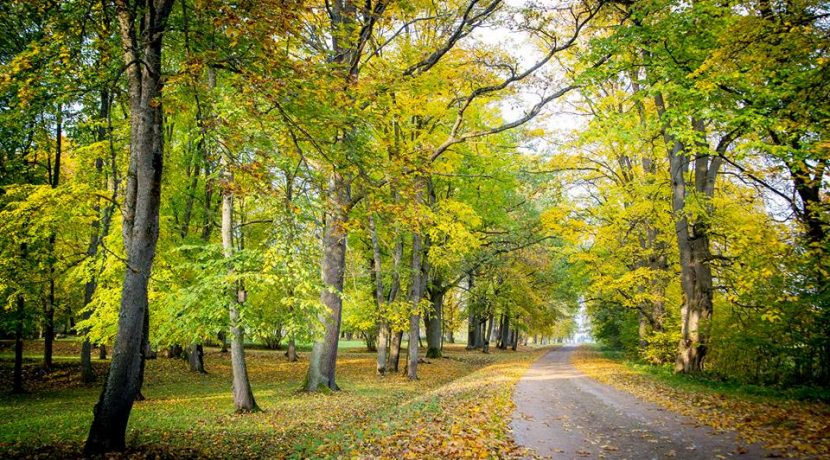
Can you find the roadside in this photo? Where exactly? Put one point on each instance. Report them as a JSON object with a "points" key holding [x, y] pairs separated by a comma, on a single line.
{"points": [[562, 413], [796, 429]]}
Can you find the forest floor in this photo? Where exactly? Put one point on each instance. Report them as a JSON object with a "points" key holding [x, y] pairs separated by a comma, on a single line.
{"points": [[460, 407], [574, 403]]}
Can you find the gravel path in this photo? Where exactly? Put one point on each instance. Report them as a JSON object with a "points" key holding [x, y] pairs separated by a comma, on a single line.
{"points": [[563, 414]]}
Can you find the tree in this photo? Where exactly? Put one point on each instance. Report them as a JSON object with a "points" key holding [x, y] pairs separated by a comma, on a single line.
{"points": [[142, 26]]}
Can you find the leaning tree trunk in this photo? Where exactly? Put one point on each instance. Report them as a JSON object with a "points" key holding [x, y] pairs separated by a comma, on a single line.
{"points": [[323, 358], [141, 219]]}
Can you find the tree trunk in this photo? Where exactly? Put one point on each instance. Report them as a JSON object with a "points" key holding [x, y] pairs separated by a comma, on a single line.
{"points": [[642, 332], [49, 326], [291, 353], [504, 338], [323, 359], [196, 358], [140, 215], [223, 341], [480, 323], [435, 321], [145, 352], [415, 317], [377, 274], [243, 397], [395, 352], [692, 237], [100, 229], [49, 306], [488, 334], [102, 352], [174, 351], [472, 328], [17, 385], [514, 343]]}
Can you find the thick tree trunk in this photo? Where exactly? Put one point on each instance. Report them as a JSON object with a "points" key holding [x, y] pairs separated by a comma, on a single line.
{"points": [[481, 322], [102, 352], [472, 328], [17, 379], [196, 358], [395, 352], [692, 237], [435, 321], [415, 299], [140, 215], [323, 359]]}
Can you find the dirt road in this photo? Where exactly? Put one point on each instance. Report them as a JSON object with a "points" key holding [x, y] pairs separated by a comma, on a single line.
{"points": [[563, 414]]}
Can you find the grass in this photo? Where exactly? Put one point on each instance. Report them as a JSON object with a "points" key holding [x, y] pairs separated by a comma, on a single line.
{"points": [[187, 415], [719, 383]]}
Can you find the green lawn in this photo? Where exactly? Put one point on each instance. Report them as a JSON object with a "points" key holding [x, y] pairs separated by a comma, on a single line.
{"points": [[191, 415]]}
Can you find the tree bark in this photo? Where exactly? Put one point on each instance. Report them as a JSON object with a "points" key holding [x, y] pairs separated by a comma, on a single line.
{"points": [[196, 358], [243, 397], [504, 332], [17, 379], [142, 55], [415, 299], [488, 334], [49, 305], [291, 353], [435, 320], [395, 352], [323, 359], [692, 238], [377, 273]]}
